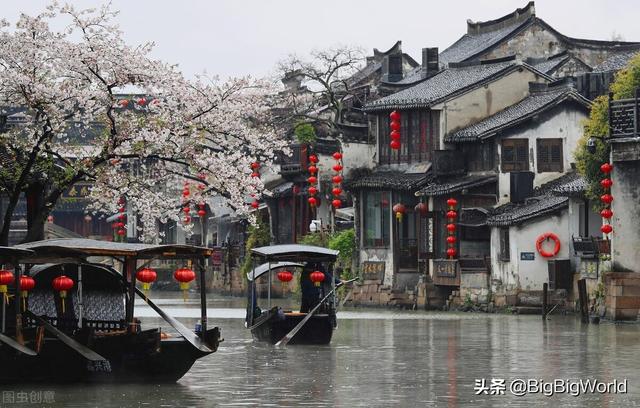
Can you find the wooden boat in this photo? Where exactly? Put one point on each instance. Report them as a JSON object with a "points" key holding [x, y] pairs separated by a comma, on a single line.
{"points": [[96, 337], [274, 323]]}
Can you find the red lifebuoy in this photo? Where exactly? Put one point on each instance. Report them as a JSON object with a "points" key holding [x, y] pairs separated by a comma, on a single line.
{"points": [[543, 238]]}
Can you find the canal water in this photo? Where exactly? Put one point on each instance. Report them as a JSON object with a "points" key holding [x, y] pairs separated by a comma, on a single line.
{"points": [[381, 358]]}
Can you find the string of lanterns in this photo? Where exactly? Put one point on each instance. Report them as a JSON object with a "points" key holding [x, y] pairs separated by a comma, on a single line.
{"points": [[606, 198], [313, 180], [394, 125], [337, 180], [120, 225], [451, 216], [184, 276]]}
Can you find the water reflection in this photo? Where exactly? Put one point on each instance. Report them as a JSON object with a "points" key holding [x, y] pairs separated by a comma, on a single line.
{"points": [[384, 358]]}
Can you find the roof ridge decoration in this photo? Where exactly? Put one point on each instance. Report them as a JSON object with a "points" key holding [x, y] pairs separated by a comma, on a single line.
{"points": [[395, 49], [518, 16]]}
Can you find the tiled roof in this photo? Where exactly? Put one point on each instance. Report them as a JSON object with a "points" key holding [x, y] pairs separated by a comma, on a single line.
{"points": [[549, 65], [543, 202], [615, 62], [441, 187], [394, 180], [443, 85], [571, 187], [368, 70], [469, 45], [532, 105]]}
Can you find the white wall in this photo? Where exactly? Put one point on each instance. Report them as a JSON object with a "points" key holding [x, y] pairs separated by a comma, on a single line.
{"points": [[527, 275], [562, 123]]}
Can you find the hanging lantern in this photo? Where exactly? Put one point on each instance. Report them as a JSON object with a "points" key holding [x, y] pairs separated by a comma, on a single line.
{"points": [[122, 232], [337, 179], [313, 201], [337, 168], [452, 202], [606, 198], [422, 209], [451, 239], [124, 103], [336, 191], [395, 145], [6, 278], [184, 276], [255, 166], [312, 191], [62, 284], [337, 156], [394, 126], [395, 135], [142, 101], [606, 183], [399, 209], [186, 219], [255, 204], [312, 180], [186, 192], [606, 168], [313, 158], [27, 283], [316, 277], [606, 228], [451, 252], [451, 227], [121, 217], [186, 210], [336, 203], [451, 214], [147, 276], [312, 170], [606, 213], [255, 175], [285, 277]]}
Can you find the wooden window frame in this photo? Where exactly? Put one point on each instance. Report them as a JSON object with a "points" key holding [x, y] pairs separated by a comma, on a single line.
{"points": [[520, 160], [505, 245], [548, 160]]}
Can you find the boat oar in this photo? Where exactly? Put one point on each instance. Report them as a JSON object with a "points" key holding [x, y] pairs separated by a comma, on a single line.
{"points": [[81, 349], [190, 336], [286, 339], [17, 346]]}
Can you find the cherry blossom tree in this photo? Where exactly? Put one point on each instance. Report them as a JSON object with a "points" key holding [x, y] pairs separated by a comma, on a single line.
{"points": [[200, 135]]}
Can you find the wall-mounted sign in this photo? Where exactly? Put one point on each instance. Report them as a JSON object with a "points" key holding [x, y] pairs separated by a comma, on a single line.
{"points": [[445, 268], [373, 270], [527, 256]]}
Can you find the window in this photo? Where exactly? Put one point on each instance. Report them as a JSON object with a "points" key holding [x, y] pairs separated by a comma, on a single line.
{"points": [[479, 157], [549, 155], [504, 245], [418, 130], [376, 215], [515, 155]]}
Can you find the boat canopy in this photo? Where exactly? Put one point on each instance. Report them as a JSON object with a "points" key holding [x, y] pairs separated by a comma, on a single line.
{"points": [[12, 253], [65, 249], [262, 269], [296, 253]]}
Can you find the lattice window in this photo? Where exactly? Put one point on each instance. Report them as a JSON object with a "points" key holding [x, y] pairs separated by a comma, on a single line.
{"points": [[549, 155], [515, 155]]}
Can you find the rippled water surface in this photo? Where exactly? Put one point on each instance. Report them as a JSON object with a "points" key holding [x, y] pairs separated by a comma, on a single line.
{"points": [[384, 358]]}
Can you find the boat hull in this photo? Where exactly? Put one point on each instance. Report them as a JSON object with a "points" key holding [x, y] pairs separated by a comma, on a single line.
{"points": [[317, 330]]}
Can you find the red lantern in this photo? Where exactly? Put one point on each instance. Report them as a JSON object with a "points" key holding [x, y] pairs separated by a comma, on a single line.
{"points": [[394, 116], [312, 180], [606, 228], [336, 203], [451, 228], [186, 210], [124, 103], [606, 213], [186, 219], [395, 126], [313, 158], [312, 169], [121, 217], [452, 214], [27, 283], [119, 224], [184, 276], [451, 239], [399, 209], [422, 209], [186, 192], [606, 168], [6, 278], [451, 252], [337, 155], [337, 179], [255, 204], [316, 277], [202, 212], [395, 135], [284, 276], [255, 175], [606, 183], [147, 276], [395, 145], [452, 202], [312, 201], [255, 166], [313, 191], [62, 284], [122, 232], [142, 101], [336, 191], [606, 198], [337, 168]]}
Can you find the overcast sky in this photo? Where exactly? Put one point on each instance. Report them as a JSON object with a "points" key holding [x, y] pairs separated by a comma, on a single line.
{"points": [[239, 37]]}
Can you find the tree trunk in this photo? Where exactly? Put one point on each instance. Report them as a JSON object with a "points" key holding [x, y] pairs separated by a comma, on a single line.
{"points": [[35, 212]]}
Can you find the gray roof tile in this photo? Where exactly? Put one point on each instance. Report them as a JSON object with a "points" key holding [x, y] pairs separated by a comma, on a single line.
{"points": [[441, 187], [394, 180], [615, 62]]}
